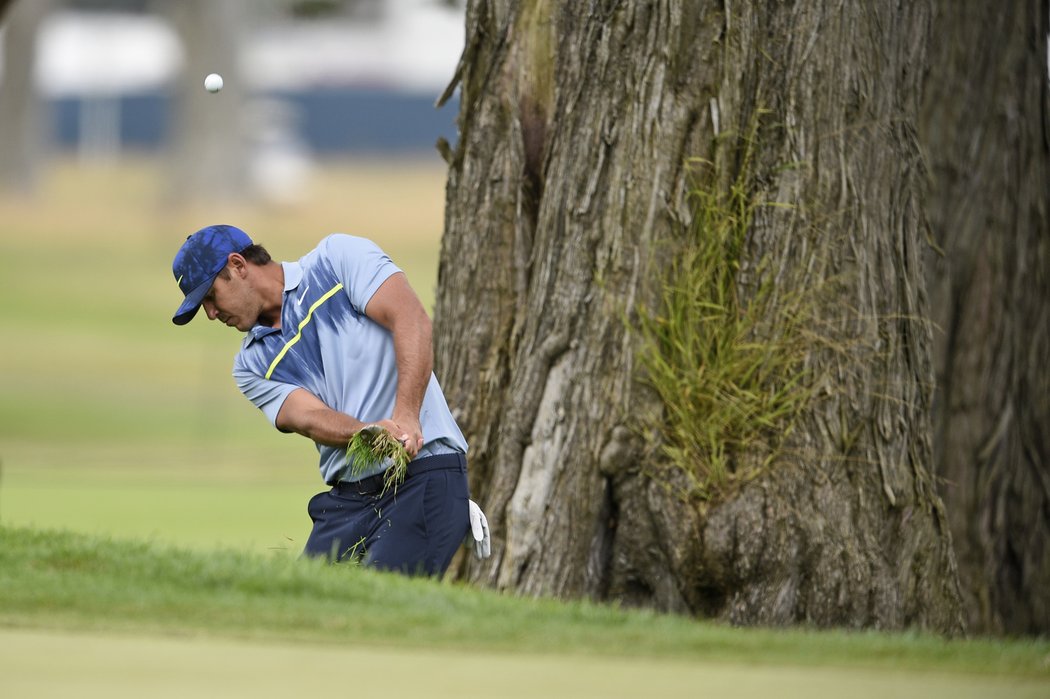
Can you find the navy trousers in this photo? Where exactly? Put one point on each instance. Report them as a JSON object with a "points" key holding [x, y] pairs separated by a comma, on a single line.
{"points": [[414, 529]]}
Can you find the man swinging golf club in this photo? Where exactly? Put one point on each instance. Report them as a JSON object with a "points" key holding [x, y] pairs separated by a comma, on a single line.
{"points": [[336, 342]]}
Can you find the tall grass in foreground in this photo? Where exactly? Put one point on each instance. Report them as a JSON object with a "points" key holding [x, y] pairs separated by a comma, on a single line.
{"points": [[65, 581]]}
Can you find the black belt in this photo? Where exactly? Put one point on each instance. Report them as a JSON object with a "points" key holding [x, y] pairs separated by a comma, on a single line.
{"points": [[373, 485]]}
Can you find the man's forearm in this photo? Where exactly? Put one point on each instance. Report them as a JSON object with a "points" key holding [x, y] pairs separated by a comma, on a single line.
{"points": [[413, 350], [330, 427], [396, 307], [305, 414]]}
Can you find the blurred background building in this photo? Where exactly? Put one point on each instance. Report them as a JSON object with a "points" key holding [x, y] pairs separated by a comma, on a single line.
{"points": [[305, 80]]}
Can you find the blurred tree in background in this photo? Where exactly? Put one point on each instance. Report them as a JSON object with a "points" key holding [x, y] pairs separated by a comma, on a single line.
{"points": [[208, 155], [22, 125]]}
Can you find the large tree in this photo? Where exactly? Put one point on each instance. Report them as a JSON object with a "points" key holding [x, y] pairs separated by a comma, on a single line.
{"points": [[602, 147], [986, 127]]}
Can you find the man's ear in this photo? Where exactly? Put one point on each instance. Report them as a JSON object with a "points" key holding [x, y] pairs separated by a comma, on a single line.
{"points": [[236, 262]]}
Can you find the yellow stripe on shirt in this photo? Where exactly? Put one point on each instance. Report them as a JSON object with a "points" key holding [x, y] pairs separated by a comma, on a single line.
{"points": [[303, 324]]}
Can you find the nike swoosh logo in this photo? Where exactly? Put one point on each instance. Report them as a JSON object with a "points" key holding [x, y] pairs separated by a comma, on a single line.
{"points": [[300, 301]]}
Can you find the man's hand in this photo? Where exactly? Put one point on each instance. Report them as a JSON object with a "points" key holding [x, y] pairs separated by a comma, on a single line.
{"points": [[479, 530], [401, 434], [408, 432]]}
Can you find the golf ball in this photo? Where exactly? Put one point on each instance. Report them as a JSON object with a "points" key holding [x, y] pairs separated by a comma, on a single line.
{"points": [[213, 83]]}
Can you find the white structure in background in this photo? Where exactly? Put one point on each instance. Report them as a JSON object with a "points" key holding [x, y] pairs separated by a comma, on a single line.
{"points": [[98, 56], [280, 162], [414, 47]]}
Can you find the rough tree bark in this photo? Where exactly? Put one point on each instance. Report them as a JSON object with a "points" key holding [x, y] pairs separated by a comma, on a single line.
{"points": [[986, 128], [567, 194]]}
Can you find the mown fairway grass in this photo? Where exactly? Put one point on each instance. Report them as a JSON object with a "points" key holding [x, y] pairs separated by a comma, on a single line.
{"points": [[107, 592], [113, 422]]}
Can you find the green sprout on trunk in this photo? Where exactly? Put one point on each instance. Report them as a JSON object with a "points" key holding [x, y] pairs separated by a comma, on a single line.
{"points": [[726, 351], [371, 446]]}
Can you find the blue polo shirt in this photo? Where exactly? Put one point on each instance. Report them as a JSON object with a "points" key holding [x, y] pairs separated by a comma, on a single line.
{"points": [[328, 346]]}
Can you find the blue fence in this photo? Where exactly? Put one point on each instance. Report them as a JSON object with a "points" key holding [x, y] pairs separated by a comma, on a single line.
{"points": [[329, 121]]}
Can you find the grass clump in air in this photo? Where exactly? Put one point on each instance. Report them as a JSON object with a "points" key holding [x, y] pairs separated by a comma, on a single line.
{"points": [[373, 445]]}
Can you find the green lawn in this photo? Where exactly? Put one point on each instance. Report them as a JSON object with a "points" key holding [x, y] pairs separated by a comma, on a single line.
{"points": [[114, 610]]}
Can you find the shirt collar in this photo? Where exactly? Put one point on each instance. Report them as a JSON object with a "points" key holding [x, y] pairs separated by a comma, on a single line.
{"points": [[293, 274]]}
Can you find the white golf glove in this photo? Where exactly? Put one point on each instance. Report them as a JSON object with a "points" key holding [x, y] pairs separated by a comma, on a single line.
{"points": [[479, 530]]}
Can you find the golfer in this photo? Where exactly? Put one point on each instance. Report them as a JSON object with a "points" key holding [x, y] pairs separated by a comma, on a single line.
{"points": [[335, 342]]}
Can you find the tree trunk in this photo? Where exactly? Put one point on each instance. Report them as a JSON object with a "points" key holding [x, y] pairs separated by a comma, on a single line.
{"points": [[568, 195], [4, 5], [986, 127], [22, 148], [209, 147]]}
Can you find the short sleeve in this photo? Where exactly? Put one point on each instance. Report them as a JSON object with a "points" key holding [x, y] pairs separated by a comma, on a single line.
{"points": [[267, 395], [361, 265]]}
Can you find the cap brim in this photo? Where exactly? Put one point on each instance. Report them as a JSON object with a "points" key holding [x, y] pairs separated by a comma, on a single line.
{"points": [[192, 303]]}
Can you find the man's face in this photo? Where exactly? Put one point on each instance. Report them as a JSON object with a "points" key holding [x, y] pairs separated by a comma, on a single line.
{"points": [[232, 300]]}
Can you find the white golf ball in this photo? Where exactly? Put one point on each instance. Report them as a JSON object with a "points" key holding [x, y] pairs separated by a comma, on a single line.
{"points": [[213, 83]]}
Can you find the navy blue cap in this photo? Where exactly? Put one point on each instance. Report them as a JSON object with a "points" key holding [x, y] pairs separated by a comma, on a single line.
{"points": [[199, 261]]}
